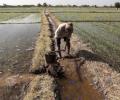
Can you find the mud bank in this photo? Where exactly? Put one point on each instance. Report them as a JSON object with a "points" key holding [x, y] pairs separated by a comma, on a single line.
{"points": [[13, 87], [43, 86]]}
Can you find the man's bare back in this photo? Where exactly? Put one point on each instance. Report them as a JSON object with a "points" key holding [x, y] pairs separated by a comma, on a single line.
{"points": [[64, 31]]}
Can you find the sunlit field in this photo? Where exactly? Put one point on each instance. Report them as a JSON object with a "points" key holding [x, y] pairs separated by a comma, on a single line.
{"points": [[21, 9], [83, 9], [77, 17], [18, 12], [7, 16]]}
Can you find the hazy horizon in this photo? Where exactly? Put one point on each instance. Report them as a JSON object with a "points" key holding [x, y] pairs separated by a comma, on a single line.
{"points": [[59, 2]]}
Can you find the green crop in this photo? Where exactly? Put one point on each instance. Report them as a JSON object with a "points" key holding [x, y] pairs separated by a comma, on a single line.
{"points": [[98, 26]]}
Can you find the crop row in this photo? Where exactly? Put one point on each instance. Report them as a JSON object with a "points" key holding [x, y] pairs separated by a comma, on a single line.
{"points": [[78, 17], [7, 16], [104, 39], [82, 9], [21, 9]]}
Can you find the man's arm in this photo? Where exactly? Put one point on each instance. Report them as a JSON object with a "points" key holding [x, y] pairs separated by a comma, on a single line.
{"points": [[58, 40]]}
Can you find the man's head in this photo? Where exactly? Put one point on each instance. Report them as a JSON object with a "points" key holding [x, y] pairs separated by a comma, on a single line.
{"points": [[69, 27], [69, 23]]}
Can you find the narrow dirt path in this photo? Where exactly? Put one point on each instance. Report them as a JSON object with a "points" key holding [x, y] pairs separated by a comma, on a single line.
{"points": [[74, 86]]}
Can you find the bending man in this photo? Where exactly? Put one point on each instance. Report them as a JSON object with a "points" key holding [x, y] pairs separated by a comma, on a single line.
{"points": [[64, 31]]}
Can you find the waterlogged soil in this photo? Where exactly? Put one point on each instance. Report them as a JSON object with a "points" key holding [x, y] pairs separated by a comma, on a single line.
{"points": [[75, 86], [17, 43]]}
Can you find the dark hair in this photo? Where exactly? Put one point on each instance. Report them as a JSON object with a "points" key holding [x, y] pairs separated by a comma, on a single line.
{"points": [[70, 27], [70, 23]]}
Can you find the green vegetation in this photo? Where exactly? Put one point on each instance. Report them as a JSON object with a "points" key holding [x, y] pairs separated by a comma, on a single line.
{"points": [[83, 9], [18, 12], [88, 16], [7, 16], [21, 9], [104, 37]]}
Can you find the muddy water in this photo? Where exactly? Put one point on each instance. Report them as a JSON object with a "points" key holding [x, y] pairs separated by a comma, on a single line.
{"points": [[74, 86], [16, 46]]}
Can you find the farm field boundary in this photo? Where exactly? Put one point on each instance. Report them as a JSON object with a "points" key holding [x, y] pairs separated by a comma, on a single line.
{"points": [[20, 23], [90, 21], [42, 86], [21, 12]]}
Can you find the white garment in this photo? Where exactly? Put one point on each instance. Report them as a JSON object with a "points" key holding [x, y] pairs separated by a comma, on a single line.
{"points": [[61, 31]]}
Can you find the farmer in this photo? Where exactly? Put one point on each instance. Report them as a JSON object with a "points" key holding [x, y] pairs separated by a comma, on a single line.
{"points": [[64, 31]]}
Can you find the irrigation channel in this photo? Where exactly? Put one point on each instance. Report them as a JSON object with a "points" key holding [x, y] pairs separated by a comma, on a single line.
{"points": [[74, 86], [16, 50]]}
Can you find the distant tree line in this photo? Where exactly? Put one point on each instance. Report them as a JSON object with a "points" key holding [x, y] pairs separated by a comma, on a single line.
{"points": [[38, 5], [117, 5]]}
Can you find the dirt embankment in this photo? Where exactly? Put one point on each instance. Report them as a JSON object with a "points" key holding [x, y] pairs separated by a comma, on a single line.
{"points": [[43, 86], [100, 74]]}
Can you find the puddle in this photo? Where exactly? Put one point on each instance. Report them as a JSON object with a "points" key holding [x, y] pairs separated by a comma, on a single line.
{"points": [[74, 87]]}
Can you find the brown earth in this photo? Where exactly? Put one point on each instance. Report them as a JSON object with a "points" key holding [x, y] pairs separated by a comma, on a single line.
{"points": [[13, 87], [74, 86]]}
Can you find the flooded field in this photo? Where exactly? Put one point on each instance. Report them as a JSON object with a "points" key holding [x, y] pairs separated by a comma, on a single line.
{"points": [[15, 42], [16, 50], [16, 46]]}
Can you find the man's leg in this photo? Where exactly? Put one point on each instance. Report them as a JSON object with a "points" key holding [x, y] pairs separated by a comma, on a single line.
{"points": [[67, 45], [58, 45]]}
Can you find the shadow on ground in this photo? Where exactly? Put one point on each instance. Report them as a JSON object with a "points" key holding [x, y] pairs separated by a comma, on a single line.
{"points": [[90, 56]]}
